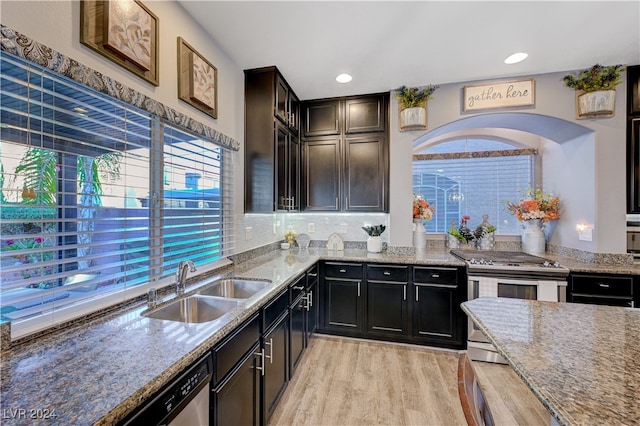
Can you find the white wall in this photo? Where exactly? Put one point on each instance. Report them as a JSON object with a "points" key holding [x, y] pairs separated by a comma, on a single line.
{"points": [[57, 24]]}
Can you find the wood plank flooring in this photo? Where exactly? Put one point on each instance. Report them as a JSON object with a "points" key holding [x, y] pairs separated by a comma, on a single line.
{"points": [[342, 381]]}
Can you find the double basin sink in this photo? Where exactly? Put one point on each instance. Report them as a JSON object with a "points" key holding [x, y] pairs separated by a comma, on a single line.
{"points": [[211, 302]]}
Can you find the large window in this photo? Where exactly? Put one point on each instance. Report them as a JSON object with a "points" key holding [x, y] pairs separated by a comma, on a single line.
{"points": [[98, 200], [473, 177]]}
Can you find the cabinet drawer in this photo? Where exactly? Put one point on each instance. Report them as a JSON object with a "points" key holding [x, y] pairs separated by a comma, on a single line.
{"points": [[435, 275], [231, 350], [388, 273], [296, 288], [343, 270], [275, 308], [602, 285], [312, 276]]}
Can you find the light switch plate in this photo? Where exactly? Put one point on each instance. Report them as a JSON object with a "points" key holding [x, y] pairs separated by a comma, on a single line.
{"points": [[586, 235]]}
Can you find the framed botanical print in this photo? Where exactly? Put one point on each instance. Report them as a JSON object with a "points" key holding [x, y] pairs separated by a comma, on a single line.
{"points": [[197, 80], [124, 31]]}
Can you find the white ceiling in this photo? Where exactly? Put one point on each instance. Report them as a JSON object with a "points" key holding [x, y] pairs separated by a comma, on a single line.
{"points": [[386, 44]]}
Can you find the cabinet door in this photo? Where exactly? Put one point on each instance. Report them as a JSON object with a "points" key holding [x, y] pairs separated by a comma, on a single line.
{"points": [[435, 312], [322, 118], [365, 173], [366, 114], [343, 305], [294, 113], [281, 99], [276, 364], [237, 400], [322, 174], [387, 308], [282, 173], [633, 166], [297, 332]]}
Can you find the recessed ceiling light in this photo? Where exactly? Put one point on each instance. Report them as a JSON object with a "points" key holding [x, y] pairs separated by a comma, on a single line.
{"points": [[516, 57], [343, 78]]}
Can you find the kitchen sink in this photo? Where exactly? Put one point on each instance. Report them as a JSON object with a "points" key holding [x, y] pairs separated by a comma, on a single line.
{"points": [[194, 309], [235, 288]]}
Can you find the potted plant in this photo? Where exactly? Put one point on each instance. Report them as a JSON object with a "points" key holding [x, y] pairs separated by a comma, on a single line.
{"points": [[413, 106], [374, 242], [595, 90]]}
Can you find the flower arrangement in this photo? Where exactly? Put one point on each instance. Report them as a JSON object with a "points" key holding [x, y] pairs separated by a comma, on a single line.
{"points": [[374, 231], [414, 96], [536, 205], [421, 208], [595, 78]]}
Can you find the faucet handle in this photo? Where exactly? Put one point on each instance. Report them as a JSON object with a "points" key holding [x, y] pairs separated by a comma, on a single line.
{"points": [[152, 298]]}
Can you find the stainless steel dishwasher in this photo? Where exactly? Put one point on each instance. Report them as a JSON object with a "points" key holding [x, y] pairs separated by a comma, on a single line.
{"points": [[183, 402]]}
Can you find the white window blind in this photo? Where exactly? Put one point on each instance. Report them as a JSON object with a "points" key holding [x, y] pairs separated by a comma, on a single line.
{"points": [[473, 183], [97, 196]]}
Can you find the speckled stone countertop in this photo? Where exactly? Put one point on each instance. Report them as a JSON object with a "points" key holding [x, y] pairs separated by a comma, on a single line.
{"points": [[100, 371], [581, 361]]}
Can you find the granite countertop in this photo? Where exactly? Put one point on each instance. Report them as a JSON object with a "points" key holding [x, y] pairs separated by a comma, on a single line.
{"points": [[98, 372], [581, 361]]}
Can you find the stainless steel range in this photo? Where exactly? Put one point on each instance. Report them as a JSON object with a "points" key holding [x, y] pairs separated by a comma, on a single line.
{"points": [[508, 274]]}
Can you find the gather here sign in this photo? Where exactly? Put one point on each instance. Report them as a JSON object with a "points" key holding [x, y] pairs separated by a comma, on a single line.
{"points": [[499, 95]]}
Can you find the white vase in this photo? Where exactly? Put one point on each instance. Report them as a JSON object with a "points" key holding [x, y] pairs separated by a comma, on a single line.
{"points": [[419, 234], [533, 241], [374, 244]]}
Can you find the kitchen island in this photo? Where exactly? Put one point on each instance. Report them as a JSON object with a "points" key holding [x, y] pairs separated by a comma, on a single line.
{"points": [[581, 361]]}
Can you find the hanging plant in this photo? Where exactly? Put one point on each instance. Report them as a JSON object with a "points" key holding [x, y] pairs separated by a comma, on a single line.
{"points": [[595, 78], [414, 96]]}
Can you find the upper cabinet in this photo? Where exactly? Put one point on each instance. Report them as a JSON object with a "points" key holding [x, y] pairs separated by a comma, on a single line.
{"points": [[633, 139], [345, 160], [272, 151]]}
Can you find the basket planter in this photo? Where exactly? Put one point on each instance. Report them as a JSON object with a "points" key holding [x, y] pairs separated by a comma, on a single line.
{"points": [[413, 118], [598, 104]]}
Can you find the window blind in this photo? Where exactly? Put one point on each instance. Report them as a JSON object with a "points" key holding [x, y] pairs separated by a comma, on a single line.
{"points": [[97, 196], [473, 185]]}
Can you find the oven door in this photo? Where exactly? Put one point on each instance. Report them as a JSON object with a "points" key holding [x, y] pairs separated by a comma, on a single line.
{"points": [[478, 347]]}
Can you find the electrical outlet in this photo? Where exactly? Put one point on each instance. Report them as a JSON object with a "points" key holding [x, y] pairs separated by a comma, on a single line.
{"points": [[248, 233], [311, 228]]}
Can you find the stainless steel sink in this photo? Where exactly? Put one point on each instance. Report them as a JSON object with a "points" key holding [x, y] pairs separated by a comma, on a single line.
{"points": [[235, 288], [194, 309]]}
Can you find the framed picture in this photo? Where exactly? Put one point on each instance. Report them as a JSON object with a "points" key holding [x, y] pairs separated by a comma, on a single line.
{"points": [[197, 80], [124, 31], [502, 94]]}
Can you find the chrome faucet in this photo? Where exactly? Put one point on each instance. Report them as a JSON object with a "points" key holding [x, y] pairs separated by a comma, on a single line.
{"points": [[181, 274]]}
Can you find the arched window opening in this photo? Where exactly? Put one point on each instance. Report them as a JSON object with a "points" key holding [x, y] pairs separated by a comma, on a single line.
{"points": [[473, 177]]}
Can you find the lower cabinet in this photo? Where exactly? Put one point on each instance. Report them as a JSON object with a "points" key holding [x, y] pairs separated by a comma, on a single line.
{"points": [[297, 313], [276, 364], [236, 401], [602, 289], [404, 303]]}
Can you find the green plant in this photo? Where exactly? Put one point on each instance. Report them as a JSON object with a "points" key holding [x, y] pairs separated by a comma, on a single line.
{"points": [[374, 231], [414, 96], [595, 78], [455, 233]]}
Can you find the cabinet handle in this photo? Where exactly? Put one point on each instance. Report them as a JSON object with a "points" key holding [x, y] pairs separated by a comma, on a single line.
{"points": [[295, 287], [310, 295], [261, 354], [358, 288], [387, 273], [604, 285], [416, 294], [435, 275], [306, 302], [346, 202], [270, 356], [404, 292], [336, 124], [312, 275], [343, 270], [336, 203]]}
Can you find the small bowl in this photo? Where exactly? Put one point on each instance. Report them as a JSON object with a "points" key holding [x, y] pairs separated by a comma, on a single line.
{"points": [[284, 246]]}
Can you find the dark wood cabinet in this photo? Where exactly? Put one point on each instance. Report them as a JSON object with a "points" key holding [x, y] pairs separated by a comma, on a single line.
{"points": [[321, 118], [298, 332], [365, 173], [602, 289], [322, 171], [312, 303], [437, 316], [402, 303], [343, 298], [633, 139], [271, 149], [276, 364], [345, 161], [387, 303]]}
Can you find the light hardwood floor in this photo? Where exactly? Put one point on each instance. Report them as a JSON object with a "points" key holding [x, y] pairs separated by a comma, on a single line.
{"points": [[343, 381]]}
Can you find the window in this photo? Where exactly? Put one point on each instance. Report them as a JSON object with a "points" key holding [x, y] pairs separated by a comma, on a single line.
{"points": [[99, 200], [473, 177]]}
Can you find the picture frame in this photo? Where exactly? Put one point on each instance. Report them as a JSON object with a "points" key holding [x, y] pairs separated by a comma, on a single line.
{"points": [[197, 80], [500, 94], [123, 31]]}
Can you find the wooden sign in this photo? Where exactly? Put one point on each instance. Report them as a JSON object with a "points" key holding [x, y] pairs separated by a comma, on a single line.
{"points": [[499, 95]]}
